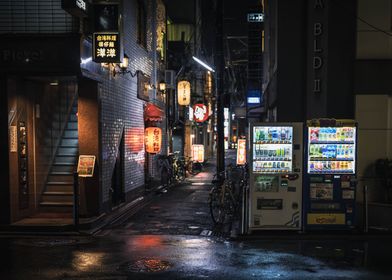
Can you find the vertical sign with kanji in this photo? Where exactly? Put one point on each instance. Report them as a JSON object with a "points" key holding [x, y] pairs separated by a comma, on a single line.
{"points": [[241, 152], [106, 47]]}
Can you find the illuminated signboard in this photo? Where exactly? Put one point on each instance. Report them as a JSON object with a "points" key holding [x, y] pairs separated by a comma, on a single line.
{"points": [[255, 17], [241, 152], [106, 47], [254, 97], [198, 153], [184, 93], [200, 112]]}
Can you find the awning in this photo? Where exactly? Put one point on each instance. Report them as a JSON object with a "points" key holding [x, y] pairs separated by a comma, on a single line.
{"points": [[153, 113]]}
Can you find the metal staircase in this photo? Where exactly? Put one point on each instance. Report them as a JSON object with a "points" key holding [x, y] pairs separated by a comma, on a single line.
{"points": [[58, 191]]}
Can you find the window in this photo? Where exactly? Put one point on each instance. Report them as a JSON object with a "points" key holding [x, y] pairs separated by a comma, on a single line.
{"points": [[141, 24]]}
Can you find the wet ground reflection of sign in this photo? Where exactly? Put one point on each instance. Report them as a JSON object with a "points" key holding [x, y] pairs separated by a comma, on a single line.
{"points": [[86, 166]]}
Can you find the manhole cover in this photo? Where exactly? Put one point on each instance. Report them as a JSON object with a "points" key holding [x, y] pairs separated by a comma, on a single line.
{"points": [[145, 265]]}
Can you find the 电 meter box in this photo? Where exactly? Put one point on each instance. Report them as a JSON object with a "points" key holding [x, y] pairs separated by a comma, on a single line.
{"points": [[275, 196]]}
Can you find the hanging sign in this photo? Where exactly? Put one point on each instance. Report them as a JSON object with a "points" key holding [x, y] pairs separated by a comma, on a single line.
{"points": [[106, 47], [198, 153], [86, 165], [153, 139], [184, 93], [241, 151], [200, 112]]}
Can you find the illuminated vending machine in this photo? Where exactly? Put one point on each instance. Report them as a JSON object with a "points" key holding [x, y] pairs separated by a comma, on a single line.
{"points": [[330, 179], [275, 164]]}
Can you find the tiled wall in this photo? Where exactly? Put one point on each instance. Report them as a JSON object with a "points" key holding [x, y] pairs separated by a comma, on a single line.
{"points": [[35, 16]]}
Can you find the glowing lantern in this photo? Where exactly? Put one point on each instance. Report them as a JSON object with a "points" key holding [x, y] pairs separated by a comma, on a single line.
{"points": [[184, 93], [241, 152], [153, 139], [198, 153]]}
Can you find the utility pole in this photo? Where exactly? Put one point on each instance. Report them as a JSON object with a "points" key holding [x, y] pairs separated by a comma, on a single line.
{"points": [[220, 65]]}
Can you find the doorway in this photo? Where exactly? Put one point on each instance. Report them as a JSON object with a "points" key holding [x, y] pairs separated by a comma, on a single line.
{"points": [[118, 194]]}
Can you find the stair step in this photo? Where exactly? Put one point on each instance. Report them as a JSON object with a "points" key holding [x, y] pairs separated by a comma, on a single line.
{"points": [[54, 204], [58, 163], [73, 117], [68, 150], [69, 168], [72, 125], [62, 173], [71, 133], [59, 183], [65, 159], [65, 142], [58, 193]]}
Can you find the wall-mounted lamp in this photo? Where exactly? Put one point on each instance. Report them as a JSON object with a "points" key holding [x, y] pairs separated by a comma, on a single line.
{"points": [[123, 67], [162, 86]]}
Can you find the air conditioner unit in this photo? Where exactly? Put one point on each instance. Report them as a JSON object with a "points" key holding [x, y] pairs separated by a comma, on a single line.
{"points": [[170, 76]]}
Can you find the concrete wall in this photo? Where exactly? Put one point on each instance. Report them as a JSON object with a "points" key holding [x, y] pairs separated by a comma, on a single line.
{"points": [[374, 116], [372, 43]]}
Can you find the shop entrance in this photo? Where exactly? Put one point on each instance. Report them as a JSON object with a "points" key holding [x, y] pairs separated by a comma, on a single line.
{"points": [[43, 123]]}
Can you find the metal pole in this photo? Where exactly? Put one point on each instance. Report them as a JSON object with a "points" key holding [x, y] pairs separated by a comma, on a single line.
{"points": [[365, 209], [76, 200], [220, 63]]}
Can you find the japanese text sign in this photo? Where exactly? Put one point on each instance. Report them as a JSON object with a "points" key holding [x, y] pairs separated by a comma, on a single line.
{"points": [[241, 152], [106, 47]]}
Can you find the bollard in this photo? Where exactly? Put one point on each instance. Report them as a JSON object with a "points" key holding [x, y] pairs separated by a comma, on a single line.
{"points": [[76, 201]]}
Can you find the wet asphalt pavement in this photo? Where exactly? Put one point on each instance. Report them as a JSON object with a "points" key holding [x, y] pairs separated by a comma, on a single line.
{"points": [[173, 238]]}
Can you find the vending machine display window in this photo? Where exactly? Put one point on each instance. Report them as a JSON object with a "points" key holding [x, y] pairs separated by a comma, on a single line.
{"points": [[272, 149], [331, 150]]}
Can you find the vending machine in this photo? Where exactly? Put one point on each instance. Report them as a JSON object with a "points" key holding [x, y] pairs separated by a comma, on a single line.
{"points": [[275, 165], [330, 177]]}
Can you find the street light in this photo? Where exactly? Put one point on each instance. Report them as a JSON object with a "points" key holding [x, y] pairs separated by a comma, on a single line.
{"points": [[202, 63]]}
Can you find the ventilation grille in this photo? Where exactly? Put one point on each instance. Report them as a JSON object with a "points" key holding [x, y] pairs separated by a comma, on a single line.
{"points": [[35, 16]]}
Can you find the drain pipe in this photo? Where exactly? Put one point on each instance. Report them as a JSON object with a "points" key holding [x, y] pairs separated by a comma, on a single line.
{"points": [[365, 209]]}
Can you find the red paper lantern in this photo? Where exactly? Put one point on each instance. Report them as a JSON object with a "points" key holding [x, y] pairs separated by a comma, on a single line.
{"points": [[153, 139]]}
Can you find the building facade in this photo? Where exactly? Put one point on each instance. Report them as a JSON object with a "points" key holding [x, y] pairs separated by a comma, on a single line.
{"points": [[58, 103]]}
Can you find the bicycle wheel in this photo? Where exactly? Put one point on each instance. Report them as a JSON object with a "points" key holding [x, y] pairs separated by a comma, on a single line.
{"points": [[216, 207], [197, 167]]}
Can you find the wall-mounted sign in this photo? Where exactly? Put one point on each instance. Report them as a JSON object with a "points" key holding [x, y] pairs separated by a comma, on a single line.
{"points": [[77, 8], [13, 139], [200, 112], [255, 17], [107, 47], [198, 153], [153, 139], [86, 165], [143, 86], [241, 151], [184, 93], [253, 97]]}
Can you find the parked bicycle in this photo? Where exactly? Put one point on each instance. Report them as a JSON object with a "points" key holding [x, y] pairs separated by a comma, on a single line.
{"points": [[178, 166], [224, 198], [193, 167]]}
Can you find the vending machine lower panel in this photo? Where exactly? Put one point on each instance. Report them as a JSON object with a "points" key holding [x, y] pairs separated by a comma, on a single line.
{"points": [[330, 202], [276, 203]]}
